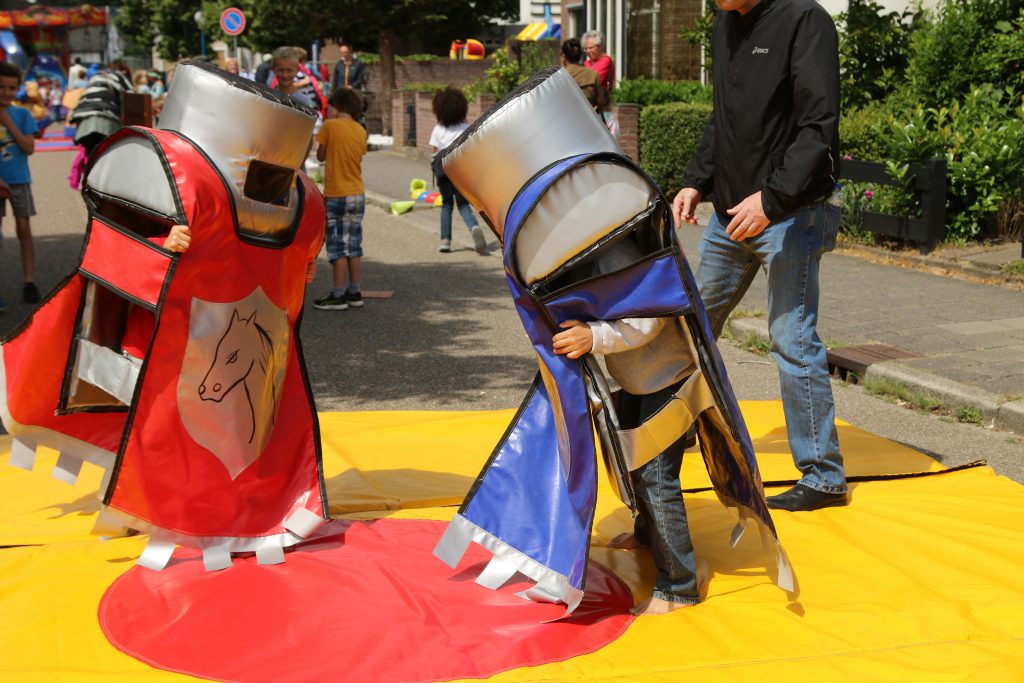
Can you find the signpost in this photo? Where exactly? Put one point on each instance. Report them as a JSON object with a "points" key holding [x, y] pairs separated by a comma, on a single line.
{"points": [[232, 22]]}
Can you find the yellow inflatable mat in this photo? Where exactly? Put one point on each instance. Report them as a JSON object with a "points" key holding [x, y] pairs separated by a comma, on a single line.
{"points": [[918, 579]]}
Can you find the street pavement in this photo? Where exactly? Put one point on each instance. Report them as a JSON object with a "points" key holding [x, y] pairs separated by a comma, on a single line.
{"points": [[449, 339]]}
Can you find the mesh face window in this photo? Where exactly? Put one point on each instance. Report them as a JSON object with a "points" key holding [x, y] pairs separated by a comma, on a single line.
{"points": [[268, 183]]}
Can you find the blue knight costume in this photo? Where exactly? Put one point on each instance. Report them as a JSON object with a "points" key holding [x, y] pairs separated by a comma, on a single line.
{"points": [[554, 186]]}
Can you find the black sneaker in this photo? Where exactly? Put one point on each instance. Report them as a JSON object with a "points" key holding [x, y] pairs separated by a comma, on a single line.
{"points": [[354, 299], [29, 293], [331, 303]]}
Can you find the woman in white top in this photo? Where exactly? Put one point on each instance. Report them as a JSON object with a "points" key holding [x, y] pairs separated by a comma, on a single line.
{"points": [[450, 107]]}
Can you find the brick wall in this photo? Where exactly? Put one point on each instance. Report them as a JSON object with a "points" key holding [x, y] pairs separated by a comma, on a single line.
{"points": [[629, 129], [425, 120], [403, 128]]}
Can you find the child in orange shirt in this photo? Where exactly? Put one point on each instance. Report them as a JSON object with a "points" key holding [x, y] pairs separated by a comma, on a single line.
{"points": [[342, 144]]}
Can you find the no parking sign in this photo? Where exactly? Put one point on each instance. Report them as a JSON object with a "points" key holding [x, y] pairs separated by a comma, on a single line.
{"points": [[232, 21]]}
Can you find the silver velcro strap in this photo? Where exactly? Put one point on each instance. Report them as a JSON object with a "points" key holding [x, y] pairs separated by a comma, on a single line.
{"points": [[642, 444], [157, 554], [785, 579], [496, 573], [737, 531], [107, 369], [302, 522], [23, 456], [270, 555], [108, 525], [216, 557], [453, 544], [67, 468]]}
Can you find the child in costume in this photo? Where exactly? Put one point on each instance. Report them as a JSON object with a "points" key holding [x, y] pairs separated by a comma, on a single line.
{"points": [[450, 108], [342, 144], [650, 358], [17, 131]]}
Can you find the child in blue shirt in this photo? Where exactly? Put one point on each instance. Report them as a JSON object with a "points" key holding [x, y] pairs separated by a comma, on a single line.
{"points": [[17, 128]]}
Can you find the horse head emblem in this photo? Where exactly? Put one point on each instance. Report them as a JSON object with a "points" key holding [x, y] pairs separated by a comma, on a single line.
{"points": [[245, 348], [231, 378]]}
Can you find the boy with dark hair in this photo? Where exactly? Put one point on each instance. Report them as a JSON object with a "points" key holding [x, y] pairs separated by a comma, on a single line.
{"points": [[17, 128], [342, 144]]}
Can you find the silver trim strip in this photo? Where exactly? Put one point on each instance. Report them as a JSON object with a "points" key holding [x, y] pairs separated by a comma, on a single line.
{"points": [[67, 468], [551, 586]]}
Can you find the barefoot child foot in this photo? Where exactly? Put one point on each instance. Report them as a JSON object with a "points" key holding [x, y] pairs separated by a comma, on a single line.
{"points": [[625, 541], [654, 606]]}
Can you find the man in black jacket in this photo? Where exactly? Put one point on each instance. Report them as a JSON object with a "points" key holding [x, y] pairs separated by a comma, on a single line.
{"points": [[349, 71], [770, 156]]}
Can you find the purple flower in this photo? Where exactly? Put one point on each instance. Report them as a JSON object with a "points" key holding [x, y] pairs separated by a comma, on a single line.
{"points": [[869, 195], [847, 157]]}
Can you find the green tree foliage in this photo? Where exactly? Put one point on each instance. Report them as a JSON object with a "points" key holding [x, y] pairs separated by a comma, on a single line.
{"points": [[669, 136], [970, 43], [167, 25], [873, 49]]}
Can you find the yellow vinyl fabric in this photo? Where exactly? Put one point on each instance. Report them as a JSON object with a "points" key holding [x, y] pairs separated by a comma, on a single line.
{"points": [[918, 579]]}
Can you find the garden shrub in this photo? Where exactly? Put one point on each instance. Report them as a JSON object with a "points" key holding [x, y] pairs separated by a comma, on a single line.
{"points": [[669, 136], [645, 91], [873, 50], [971, 43]]}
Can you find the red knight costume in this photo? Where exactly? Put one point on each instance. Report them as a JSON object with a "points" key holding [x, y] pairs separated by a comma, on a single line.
{"points": [[211, 440]]}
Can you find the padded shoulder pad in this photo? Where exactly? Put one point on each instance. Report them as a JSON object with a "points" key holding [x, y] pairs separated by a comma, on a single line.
{"points": [[133, 170]]}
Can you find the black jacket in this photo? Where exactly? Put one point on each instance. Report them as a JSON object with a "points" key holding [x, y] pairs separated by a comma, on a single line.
{"points": [[775, 124], [357, 74]]}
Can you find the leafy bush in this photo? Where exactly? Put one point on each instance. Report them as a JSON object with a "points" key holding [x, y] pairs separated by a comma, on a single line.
{"points": [[646, 92], [873, 49], [982, 143], [669, 136], [507, 70], [425, 86], [974, 42]]}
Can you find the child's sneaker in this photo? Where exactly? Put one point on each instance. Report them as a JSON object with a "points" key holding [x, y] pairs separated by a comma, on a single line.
{"points": [[446, 246], [331, 303], [354, 299], [30, 293], [479, 241]]}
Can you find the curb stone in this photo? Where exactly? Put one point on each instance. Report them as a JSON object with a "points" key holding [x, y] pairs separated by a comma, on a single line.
{"points": [[1002, 415]]}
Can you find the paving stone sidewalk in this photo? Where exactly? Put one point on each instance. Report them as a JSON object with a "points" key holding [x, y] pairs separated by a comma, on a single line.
{"points": [[969, 337]]}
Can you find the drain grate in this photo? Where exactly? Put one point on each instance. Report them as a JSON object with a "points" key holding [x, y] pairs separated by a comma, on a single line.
{"points": [[849, 362]]}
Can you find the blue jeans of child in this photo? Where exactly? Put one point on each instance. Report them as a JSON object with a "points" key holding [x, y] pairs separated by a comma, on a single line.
{"points": [[661, 518], [790, 251], [449, 197]]}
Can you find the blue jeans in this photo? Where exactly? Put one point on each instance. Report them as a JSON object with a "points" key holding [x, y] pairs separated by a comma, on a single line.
{"points": [[449, 197], [790, 250], [661, 518]]}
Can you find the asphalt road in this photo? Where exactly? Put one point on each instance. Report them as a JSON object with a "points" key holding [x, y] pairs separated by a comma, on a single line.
{"points": [[449, 338]]}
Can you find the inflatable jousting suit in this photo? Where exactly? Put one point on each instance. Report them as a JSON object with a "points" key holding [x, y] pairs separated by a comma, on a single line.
{"points": [[553, 184], [204, 419]]}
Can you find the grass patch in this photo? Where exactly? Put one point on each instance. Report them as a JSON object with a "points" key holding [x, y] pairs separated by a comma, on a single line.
{"points": [[888, 389], [1014, 440], [749, 313], [969, 415], [755, 344], [1014, 267]]}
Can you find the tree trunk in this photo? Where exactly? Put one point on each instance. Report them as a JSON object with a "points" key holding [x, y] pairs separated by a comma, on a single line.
{"points": [[387, 77]]}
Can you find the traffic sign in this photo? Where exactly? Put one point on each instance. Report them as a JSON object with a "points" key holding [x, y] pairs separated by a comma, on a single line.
{"points": [[232, 21]]}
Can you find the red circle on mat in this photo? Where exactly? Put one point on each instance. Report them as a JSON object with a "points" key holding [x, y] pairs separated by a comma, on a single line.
{"points": [[363, 601]]}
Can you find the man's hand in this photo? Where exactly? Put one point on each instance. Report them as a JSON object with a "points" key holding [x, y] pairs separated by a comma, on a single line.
{"points": [[575, 341], [748, 219], [685, 204], [179, 239]]}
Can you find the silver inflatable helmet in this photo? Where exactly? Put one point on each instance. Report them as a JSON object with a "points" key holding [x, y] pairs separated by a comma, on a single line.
{"points": [[256, 137]]}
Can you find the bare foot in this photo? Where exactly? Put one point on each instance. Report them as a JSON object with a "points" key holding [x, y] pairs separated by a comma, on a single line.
{"points": [[626, 541], [653, 606]]}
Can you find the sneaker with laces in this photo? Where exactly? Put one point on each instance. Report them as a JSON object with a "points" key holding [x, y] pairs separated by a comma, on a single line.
{"points": [[30, 293], [354, 299], [331, 303], [479, 240], [446, 246]]}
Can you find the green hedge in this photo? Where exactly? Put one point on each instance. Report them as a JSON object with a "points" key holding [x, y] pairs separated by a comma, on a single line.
{"points": [[646, 92], [669, 136]]}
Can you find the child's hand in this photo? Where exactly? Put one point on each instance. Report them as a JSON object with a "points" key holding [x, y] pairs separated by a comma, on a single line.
{"points": [[576, 340], [179, 239]]}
